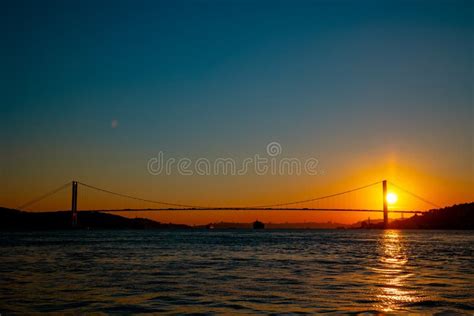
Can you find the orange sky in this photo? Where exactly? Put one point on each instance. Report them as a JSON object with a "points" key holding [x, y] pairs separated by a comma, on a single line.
{"points": [[440, 188]]}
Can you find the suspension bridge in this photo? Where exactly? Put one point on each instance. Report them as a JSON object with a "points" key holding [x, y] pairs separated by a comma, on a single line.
{"points": [[313, 204]]}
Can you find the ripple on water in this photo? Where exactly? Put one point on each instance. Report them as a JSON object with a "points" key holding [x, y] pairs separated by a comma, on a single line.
{"points": [[268, 272]]}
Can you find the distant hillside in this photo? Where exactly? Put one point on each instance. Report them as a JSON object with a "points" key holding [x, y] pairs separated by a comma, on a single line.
{"points": [[459, 216], [308, 225], [11, 219], [371, 223]]}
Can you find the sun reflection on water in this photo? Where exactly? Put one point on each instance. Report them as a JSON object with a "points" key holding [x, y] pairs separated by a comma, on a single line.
{"points": [[394, 273]]}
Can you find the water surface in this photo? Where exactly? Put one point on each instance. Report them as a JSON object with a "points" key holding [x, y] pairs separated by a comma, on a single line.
{"points": [[237, 271]]}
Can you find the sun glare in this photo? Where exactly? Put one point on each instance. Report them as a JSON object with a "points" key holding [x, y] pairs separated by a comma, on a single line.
{"points": [[392, 198]]}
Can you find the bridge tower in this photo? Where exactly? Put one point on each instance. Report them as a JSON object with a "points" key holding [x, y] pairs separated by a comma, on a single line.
{"points": [[74, 204], [385, 207]]}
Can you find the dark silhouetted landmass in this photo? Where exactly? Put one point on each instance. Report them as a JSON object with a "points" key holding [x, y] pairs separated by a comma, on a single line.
{"points": [[459, 216], [11, 219], [372, 223], [308, 225]]}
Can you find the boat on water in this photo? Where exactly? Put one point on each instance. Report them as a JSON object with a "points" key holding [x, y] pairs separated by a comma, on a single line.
{"points": [[210, 226], [258, 225]]}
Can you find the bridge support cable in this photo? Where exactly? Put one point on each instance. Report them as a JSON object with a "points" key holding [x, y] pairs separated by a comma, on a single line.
{"points": [[44, 196], [317, 198], [213, 207], [284, 206], [137, 198], [414, 195]]}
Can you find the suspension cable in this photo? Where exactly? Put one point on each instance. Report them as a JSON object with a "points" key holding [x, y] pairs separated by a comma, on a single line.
{"points": [[44, 196], [317, 198], [138, 198], [204, 207], [248, 207], [414, 195]]}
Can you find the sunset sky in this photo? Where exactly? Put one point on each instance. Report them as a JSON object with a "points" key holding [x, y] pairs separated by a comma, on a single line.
{"points": [[372, 89]]}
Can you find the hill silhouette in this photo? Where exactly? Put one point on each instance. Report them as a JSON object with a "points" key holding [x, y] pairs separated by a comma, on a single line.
{"points": [[11, 219], [459, 216], [268, 225]]}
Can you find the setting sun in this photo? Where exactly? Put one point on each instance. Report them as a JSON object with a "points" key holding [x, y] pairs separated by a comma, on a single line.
{"points": [[392, 198]]}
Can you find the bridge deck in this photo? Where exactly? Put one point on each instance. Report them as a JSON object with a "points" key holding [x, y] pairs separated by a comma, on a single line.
{"points": [[254, 209]]}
